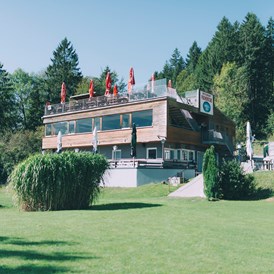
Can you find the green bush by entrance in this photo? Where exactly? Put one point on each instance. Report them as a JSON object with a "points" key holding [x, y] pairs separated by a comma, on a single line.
{"points": [[234, 184], [210, 174], [58, 181]]}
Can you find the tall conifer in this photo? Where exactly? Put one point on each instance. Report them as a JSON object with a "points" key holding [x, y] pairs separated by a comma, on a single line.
{"points": [[8, 119], [252, 44], [64, 68]]}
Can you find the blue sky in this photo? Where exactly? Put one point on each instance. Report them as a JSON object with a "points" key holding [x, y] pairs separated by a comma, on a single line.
{"points": [[117, 33]]}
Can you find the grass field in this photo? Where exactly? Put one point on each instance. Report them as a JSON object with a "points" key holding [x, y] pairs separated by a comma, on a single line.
{"points": [[140, 230]]}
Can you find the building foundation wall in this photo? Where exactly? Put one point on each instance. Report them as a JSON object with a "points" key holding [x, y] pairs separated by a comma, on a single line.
{"points": [[133, 177]]}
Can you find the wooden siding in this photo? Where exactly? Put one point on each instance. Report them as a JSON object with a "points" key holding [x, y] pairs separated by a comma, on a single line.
{"points": [[183, 136], [160, 127], [112, 137], [109, 110]]}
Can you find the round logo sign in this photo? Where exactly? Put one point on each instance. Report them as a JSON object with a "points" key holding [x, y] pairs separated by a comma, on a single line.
{"points": [[206, 107]]}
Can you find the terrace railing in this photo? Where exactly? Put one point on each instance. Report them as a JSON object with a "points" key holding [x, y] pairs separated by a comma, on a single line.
{"points": [[217, 137], [83, 104], [146, 91], [151, 163]]}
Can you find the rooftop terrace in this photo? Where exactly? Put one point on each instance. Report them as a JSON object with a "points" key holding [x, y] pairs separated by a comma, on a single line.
{"points": [[140, 92]]}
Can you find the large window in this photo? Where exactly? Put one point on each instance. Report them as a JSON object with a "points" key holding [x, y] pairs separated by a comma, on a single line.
{"points": [[188, 155], [172, 154], [125, 120], [61, 126], [48, 129], [142, 118], [111, 122], [97, 123], [84, 125], [71, 127], [180, 154]]}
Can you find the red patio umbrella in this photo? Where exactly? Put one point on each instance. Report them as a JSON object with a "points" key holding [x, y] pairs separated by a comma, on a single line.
{"points": [[131, 80], [115, 90], [91, 90], [63, 92], [108, 84]]}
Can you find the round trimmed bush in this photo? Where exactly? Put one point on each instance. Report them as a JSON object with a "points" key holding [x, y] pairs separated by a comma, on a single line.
{"points": [[67, 180]]}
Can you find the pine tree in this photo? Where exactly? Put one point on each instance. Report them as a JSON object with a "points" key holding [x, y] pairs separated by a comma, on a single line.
{"points": [[269, 61], [172, 68], [187, 80], [64, 68], [193, 57], [177, 64], [8, 105], [204, 72], [100, 82], [222, 48], [225, 44], [253, 42], [165, 73]]}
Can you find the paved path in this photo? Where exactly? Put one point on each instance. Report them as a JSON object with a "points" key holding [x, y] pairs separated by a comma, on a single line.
{"points": [[195, 188]]}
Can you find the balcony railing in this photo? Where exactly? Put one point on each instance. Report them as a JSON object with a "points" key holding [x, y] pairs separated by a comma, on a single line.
{"points": [[151, 163], [140, 92], [83, 104], [217, 137]]}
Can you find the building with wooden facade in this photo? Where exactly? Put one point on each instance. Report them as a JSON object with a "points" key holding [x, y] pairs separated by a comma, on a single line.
{"points": [[173, 132]]}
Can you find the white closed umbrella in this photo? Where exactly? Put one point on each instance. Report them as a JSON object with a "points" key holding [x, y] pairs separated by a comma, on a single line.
{"points": [[59, 142], [94, 139], [249, 139]]}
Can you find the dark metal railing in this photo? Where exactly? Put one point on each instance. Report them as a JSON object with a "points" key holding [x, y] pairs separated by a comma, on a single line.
{"points": [[148, 163], [83, 104], [217, 137], [141, 92]]}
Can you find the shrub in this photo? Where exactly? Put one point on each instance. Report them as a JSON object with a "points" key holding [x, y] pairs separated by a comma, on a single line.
{"points": [[235, 185], [58, 181], [210, 174]]}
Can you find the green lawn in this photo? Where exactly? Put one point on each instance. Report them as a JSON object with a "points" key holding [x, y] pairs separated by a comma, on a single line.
{"points": [[140, 230]]}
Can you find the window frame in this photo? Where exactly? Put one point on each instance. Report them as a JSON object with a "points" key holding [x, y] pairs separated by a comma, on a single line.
{"points": [[76, 127], [147, 152], [106, 116], [114, 154], [139, 112], [46, 125]]}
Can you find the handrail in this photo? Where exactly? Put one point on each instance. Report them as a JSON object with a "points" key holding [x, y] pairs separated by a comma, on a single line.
{"points": [[83, 104], [141, 92], [218, 137]]}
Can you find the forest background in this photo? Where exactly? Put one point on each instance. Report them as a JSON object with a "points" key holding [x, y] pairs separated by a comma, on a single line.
{"points": [[237, 67]]}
